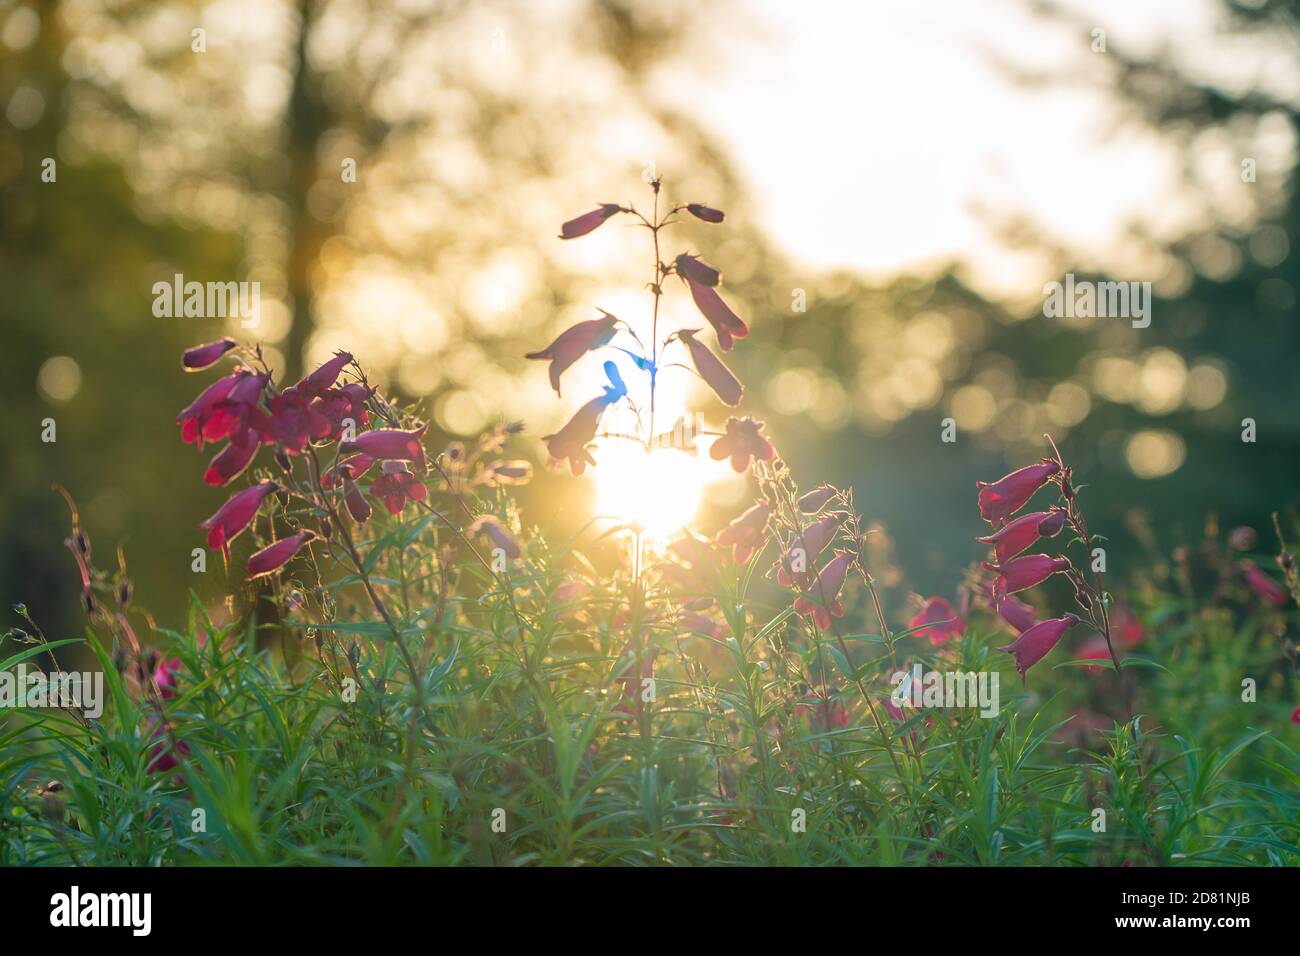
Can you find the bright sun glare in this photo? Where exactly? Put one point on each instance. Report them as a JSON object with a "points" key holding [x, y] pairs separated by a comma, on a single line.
{"points": [[658, 491]]}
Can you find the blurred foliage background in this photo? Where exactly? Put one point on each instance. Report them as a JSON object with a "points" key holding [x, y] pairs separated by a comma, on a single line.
{"points": [[476, 128]]}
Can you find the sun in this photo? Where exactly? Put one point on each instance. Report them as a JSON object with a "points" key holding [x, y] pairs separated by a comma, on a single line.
{"points": [[657, 491]]}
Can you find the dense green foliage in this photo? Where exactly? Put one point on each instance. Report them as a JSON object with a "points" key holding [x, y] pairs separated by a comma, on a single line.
{"points": [[523, 717]]}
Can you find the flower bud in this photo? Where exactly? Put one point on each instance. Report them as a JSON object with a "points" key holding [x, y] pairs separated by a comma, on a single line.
{"points": [[705, 213]]}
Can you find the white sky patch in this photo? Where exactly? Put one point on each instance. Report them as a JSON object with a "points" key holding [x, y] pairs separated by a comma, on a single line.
{"points": [[874, 134]]}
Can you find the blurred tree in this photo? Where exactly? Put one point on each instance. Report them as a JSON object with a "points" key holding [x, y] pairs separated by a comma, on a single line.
{"points": [[218, 141]]}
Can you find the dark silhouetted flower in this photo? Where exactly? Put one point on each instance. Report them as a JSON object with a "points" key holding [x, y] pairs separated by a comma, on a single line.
{"points": [[693, 270], [711, 368], [726, 323], [821, 598], [796, 564], [581, 225], [706, 213], [745, 534], [574, 342], [205, 356], [743, 440], [571, 441], [815, 500], [490, 527]]}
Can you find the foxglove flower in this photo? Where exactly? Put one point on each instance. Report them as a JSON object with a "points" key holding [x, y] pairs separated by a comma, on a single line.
{"points": [[711, 368], [1020, 574], [490, 527], [1004, 497], [229, 463], [277, 555], [1018, 615], [340, 405], [353, 468], [205, 356], [815, 500], [239, 412], [164, 676], [195, 415], [1035, 644], [726, 323], [319, 381], [581, 225], [743, 440], [571, 441], [390, 443], [939, 620], [822, 598], [573, 343], [693, 270], [163, 756], [356, 502], [805, 548], [235, 515], [745, 534], [1016, 536], [1265, 588], [294, 423], [396, 486], [705, 213]]}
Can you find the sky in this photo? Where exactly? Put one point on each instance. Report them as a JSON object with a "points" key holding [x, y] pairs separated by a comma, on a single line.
{"points": [[889, 136]]}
